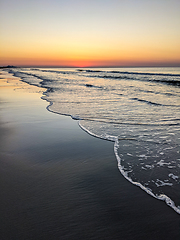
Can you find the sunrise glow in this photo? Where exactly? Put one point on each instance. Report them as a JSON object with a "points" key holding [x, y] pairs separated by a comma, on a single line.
{"points": [[90, 33]]}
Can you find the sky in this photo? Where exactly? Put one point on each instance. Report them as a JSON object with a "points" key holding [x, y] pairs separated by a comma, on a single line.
{"points": [[93, 33]]}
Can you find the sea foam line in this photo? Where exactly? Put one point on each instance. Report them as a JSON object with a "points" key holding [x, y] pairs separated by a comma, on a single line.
{"points": [[115, 139], [162, 197]]}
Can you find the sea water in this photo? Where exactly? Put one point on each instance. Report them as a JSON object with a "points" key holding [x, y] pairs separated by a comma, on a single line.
{"points": [[137, 108]]}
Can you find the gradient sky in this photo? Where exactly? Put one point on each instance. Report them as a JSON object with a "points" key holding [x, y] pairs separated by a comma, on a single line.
{"points": [[90, 32]]}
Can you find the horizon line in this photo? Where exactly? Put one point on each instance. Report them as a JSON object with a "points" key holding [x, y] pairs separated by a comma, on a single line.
{"points": [[66, 66]]}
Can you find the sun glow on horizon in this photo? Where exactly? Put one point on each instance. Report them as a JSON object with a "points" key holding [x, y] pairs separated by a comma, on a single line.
{"points": [[91, 33]]}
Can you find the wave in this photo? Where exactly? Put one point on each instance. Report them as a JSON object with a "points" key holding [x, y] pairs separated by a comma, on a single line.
{"points": [[56, 71], [116, 140], [148, 102], [155, 92], [52, 71], [92, 86], [34, 69], [162, 197], [132, 73], [169, 82], [129, 75], [124, 77], [170, 122], [147, 74], [89, 71], [43, 83]]}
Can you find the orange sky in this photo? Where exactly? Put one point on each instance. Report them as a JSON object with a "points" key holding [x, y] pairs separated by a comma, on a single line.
{"points": [[90, 33]]}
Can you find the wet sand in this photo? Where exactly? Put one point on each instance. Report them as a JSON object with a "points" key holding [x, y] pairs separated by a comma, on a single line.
{"points": [[58, 182]]}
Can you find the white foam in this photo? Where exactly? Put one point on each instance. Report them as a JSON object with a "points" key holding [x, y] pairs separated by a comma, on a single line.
{"points": [[171, 166], [163, 197], [173, 176], [149, 166], [103, 136], [129, 154], [160, 183], [162, 163]]}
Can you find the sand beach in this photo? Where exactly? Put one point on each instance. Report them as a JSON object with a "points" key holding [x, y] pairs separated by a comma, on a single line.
{"points": [[58, 182]]}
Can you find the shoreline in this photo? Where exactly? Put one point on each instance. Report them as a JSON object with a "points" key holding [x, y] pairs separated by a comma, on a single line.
{"points": [[60, 182], [113, 139]]}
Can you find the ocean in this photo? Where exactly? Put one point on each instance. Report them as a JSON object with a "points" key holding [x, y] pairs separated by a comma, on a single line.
{"points": [[136, 108]]}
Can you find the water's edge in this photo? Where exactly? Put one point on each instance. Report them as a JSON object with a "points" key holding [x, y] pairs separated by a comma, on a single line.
{"points": [[162, 197], [114, 139]]}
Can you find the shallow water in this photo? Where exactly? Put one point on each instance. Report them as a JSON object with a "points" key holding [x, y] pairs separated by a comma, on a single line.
{"points": [[137, 108]]}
